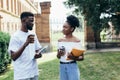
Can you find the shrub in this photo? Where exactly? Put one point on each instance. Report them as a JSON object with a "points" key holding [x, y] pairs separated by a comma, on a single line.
{"points": [[4, 56]]}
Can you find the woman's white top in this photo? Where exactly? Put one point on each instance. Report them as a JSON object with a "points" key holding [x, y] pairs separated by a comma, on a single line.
{"points": [[68, 48]]}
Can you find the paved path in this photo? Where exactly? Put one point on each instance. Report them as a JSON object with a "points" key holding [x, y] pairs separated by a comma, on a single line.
{"points": [[47, 57], [103, 50]]}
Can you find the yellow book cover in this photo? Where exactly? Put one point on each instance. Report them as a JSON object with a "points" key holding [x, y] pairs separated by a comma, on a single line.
{"points": [[76, 52]]}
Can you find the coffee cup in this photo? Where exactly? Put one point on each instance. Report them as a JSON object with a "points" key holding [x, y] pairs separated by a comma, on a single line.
{"points": [[31, 36]]}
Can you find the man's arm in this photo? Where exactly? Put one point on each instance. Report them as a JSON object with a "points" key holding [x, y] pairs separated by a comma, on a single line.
{"points": [[17, 54]]}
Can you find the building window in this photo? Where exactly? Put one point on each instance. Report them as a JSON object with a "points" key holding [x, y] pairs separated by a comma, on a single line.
{"points": [[1, 3], [15, 6], [11, 5], [2, 24], [7, 4], [8, 26], [19, 7]]}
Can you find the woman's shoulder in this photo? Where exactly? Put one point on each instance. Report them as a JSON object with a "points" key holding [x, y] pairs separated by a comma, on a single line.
{"points": [[76, 39], [61, 40]]}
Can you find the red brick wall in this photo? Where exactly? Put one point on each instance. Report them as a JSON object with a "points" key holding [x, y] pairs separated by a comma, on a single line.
{"points": [[42, 23]]}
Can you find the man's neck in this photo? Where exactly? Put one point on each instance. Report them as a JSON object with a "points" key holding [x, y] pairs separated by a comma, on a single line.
{"points": [[23, 29]]}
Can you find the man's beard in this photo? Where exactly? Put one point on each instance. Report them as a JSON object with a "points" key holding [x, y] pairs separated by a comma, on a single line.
{"points": [[29, 27]]}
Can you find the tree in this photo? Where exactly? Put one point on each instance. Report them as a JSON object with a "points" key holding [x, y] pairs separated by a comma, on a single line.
{"points": [[92, 11]]}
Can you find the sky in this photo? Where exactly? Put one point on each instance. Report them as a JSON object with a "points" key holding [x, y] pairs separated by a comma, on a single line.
{"points": [[57, 14], [58, 9]]}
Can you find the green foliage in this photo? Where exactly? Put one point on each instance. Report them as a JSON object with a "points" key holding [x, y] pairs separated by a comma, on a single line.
{"points": [[4, 57], [4, 37], [116, 22], [92, 9]]}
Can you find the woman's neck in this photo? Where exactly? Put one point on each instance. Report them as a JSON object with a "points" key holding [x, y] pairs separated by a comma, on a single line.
{"points": [[69, 36]]}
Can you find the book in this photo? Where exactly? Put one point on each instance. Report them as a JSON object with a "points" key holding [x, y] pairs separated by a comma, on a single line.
{"points": [[76, 52], [42, 50]]}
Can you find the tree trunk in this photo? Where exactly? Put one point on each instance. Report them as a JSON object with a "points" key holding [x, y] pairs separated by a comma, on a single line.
{"points": [[97, 38]]}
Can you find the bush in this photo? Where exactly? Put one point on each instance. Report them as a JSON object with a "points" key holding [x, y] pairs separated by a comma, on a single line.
{"points": [[4, 56]]}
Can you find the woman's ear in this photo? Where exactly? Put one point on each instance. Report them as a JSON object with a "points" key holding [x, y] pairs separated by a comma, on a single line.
{"points": [[72, 29]]}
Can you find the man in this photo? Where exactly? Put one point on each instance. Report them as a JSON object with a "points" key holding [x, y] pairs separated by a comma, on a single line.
{"points": [[23, 48]]}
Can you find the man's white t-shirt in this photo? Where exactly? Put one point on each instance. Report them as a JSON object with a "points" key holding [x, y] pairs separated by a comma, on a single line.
{"points": [[25, 66]]}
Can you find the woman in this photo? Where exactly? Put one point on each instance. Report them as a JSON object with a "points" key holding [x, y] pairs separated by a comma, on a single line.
{"points": [[68, 67]]}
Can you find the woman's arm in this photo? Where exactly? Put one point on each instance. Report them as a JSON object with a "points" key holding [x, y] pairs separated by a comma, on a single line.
{"points": [[79, 58]]}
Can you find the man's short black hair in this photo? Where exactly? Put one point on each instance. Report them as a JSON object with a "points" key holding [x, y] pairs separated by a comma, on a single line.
{"points": [[26, 14], [73, 21]]}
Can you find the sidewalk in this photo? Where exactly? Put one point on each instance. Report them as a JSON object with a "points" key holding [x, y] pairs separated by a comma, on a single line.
{"points": [[47, 57], [103, 50]]}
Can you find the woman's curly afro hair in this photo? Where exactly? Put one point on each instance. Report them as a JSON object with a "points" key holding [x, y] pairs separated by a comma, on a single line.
{"points": [[73, 21]]}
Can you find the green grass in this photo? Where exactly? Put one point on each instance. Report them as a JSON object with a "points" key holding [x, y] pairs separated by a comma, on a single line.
{"points": [[96, 66], [7, 75], [49, 70], [101, 66]]}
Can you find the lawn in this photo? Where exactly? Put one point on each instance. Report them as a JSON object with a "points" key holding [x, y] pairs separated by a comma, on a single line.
{"points": [[96, 66]]}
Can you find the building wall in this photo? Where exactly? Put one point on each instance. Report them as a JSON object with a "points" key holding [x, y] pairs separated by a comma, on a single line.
{"points": [[10, 11], [43, 25], [42, 22]]}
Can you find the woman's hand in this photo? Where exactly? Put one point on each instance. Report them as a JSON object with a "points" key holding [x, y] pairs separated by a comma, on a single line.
{"points": [[78, 58], [60, 53]]}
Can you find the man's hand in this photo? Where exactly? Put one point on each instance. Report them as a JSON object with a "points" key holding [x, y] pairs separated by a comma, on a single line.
{"points": [[37, 55], [30, 39]]}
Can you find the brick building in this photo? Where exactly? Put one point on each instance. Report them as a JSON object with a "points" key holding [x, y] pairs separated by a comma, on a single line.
{"points": [[10, 11]]}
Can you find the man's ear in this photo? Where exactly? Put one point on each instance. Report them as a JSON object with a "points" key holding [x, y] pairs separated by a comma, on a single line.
{"points": [[23, 19]]}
